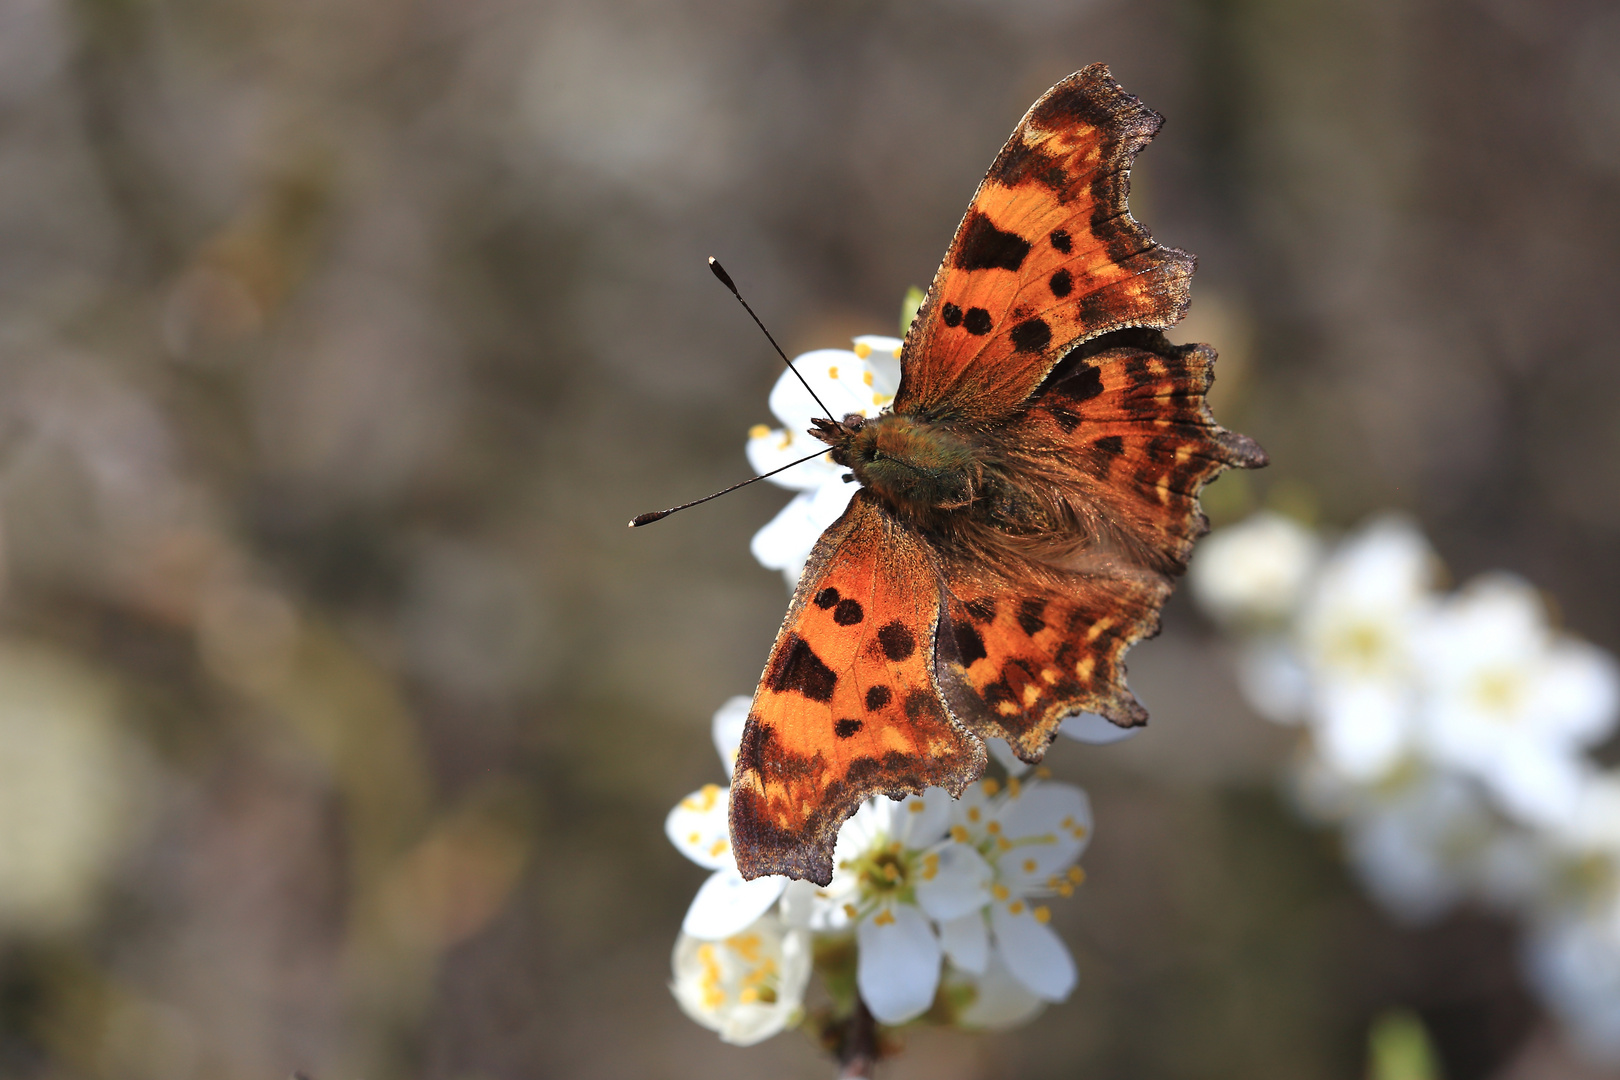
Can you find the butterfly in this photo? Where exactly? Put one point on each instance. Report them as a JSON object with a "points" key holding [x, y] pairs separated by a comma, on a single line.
{"points": [[1025, 502]]}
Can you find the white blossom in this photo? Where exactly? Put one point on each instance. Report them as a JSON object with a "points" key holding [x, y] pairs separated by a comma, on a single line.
{"points": [[746, 986], [1255, 571], [1510, 701], [1355, 636], [862, 380]]}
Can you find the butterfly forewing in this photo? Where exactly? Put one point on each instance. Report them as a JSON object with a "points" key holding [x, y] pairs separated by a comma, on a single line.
{"points": [[848, 707], [1047, 256]]}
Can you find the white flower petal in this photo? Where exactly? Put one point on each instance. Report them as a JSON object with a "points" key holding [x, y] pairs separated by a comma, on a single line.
{"points": [[1005, 757], [1537, 784], [1255, 571], [726, 904], [747, 987], [1000, 1001], [1097, 730], [1578, 692], [770, 449], [1274, 680], [787, 539], [1033, 952], [966, 942], [727, 728], [834, 374], [954, 880], [898, 967], [1050, 825], [698, 827], [883, 361], [1363, 727], [923, 819]]}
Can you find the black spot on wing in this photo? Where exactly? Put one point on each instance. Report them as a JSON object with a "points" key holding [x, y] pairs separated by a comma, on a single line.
{"points": [[799, 670], [1031, 335], [982, 609], [985, 247], [969, 644], [977, 321], [846, 728], [826, 598], [848, 613], [1061, 283], [951, 314], [877, 697], [1085, 384], [1112, 445], [1060, 240], [896, 641], [1029, 615]]}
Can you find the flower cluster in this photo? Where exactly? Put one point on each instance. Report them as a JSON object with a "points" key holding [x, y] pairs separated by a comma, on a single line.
{"points": [[938, 908], [945, 902], [1446, 732]]}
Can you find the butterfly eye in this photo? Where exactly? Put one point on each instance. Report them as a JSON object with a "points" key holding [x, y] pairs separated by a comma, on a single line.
{"points": [[854, 421]]}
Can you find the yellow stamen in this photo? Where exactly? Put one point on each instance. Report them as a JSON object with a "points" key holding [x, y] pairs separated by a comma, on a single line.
{"points": [[973, 814], [758, 431], [1000, 892], [1043, 914], [1065, 889], [1029, 866], [992, 827], [1014, 786], [897, 352], [1076, 875], [883, 918], [694, 838], [1015, 908], [916, 807], [867, 378], [991, 787], [862, 349], [717, 847], [1043, 773], [959, 834], [849, 909], [1003, 844], [747, 996], [832, 372]]}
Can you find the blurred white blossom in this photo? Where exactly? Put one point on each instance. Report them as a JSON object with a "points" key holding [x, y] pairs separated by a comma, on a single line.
{"points": [[1256, 571], [1447, 736], [71, 788], [1510, 701], [747, 986]]}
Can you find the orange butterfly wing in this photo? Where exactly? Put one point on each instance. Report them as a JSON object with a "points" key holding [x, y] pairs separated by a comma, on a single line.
{"points": [[1024, 646], [1047, 255], [848, 707]]}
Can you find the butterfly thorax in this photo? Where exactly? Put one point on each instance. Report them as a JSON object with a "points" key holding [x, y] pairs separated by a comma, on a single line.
{"points": [[917, 466]]}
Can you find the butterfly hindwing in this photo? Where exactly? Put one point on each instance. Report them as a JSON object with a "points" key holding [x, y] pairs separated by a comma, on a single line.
{"points": [[848, 707], [1123, 433], [1015, 659], [1047, 256]]}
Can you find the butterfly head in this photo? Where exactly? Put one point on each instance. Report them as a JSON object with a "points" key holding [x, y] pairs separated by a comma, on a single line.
{"points": [[914, 465]]}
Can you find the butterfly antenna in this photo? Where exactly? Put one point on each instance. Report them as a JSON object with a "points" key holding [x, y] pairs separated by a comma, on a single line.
{"points": [[725, 279], [657, 515]]}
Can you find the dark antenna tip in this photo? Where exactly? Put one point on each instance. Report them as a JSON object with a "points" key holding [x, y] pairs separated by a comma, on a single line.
{"points": [[725, 279], [720, 272], [647, 519]]}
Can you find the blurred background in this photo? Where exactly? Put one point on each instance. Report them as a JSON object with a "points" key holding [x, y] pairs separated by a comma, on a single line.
{"points": [[339, 710]]}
